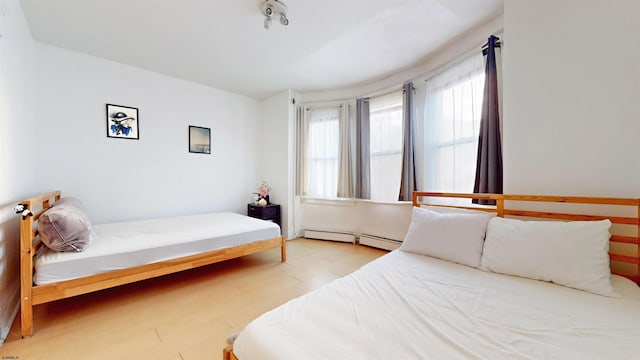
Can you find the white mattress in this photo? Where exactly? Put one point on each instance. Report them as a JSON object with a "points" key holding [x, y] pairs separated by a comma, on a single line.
{"points": [[408, 306], [122, 245]]}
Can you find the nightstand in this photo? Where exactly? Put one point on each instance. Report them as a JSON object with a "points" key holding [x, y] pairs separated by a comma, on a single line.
{"points": [[269, 212]]}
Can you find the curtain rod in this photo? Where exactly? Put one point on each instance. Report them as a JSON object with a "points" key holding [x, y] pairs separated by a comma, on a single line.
{"points": [[383, 92]]}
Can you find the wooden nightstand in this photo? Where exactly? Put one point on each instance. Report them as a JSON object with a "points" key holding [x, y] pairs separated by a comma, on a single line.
{"points": [[269, 212]]}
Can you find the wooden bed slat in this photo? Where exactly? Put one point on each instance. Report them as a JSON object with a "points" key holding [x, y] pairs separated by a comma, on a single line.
{"points": [[39, 213], [572, 217], [625, 239], [36, 245], [537, 198], [463, 207], [41, 199], [624, 258], [575, 199]]}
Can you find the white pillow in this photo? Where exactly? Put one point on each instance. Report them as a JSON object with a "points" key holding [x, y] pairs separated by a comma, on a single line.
{"points": [[454, 237], [573, 254]]}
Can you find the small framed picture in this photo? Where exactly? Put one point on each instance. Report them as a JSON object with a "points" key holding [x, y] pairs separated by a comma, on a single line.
{"points": [[122, 122], [199, 140]]}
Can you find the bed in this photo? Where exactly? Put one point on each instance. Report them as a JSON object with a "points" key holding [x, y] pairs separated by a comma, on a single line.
{"points": [[122, 253], [409, 305]]}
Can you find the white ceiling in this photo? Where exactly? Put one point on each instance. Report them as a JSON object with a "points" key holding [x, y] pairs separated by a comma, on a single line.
{"points": [[329, 44]]}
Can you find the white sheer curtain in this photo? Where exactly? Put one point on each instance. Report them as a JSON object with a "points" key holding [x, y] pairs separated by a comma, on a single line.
{"points": [[323, 154], [385, 120], [346, 176], [453, 104]]}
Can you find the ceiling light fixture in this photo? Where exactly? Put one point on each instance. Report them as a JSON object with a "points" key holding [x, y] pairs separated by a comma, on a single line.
{"points": [[270, 8]]}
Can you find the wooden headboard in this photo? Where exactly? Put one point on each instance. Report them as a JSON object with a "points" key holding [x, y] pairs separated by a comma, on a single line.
{"points": [[624, 213]]}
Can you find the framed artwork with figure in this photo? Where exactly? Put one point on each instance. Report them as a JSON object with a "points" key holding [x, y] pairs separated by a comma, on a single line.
{"points": [[122, 122]]}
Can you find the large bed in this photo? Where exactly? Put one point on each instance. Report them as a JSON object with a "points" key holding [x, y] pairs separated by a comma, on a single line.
{"points": [[407, 305], [125, 252]]}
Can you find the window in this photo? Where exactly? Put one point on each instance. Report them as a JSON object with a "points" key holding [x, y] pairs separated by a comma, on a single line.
{"points": [[453, 106], [385, 126], [321, 145]]}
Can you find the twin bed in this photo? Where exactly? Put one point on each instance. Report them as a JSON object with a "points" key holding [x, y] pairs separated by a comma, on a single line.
{"points": [[121, 253], [435, 299]]}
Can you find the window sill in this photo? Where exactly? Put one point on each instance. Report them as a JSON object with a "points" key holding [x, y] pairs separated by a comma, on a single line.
{"points": [[348, 201]]}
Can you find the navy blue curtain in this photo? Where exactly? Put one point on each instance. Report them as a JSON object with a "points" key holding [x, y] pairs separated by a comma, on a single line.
{"points": [[489, 161], [408, 179]]}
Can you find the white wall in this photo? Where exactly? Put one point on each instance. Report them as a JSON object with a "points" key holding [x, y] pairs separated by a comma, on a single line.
{"points": [[275, 148], [17, 128], [122, 179], [571, 93]]}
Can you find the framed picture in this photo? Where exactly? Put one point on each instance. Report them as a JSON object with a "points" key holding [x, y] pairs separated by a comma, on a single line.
{"points": [[199, 140], [122, 122]]}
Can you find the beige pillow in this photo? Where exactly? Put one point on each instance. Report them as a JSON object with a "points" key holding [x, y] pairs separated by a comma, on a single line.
{"points": [[66, 226]]}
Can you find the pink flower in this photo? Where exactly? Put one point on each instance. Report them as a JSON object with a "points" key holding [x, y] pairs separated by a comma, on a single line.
{"points": [[264, 189]]}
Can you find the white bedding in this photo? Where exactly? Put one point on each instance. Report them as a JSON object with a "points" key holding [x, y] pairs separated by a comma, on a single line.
{"points": [[123, 245], [409, 306]]}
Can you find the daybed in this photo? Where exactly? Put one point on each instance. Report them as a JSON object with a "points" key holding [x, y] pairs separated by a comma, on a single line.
{"points": [[431, 300], [122, 253]]}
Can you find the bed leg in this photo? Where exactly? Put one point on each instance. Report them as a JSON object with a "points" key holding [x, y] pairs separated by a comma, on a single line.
{"points": [[26, 276], [283, 249], [26, 313], [227, 353]]}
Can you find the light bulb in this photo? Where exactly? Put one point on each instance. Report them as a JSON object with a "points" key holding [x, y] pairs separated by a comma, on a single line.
{"points": [[267, 22]]}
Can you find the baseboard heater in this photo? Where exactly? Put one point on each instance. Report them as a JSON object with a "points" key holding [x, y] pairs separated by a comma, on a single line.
{"points": [[330, 235], [379, 242]]}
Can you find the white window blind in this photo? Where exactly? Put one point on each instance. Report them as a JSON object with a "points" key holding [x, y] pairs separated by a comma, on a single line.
{"points": [[385, 119], [453, 106]]}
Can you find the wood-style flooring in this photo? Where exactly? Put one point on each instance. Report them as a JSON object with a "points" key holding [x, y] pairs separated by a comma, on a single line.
{"points": [[183, 316]]}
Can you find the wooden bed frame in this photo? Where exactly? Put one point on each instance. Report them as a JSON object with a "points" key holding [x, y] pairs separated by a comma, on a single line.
{"points": [[625, 240], [30, 242]]}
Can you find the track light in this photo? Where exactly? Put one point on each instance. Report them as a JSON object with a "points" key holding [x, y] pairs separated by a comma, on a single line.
{"points": [[270, 8]]}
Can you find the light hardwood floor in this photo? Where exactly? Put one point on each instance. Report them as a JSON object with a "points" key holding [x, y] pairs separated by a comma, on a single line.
{"points": [[184, 316]]}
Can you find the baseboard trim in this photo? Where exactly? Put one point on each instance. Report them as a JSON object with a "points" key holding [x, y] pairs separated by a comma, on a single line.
{"points": [[379, 242], [330, 235]]}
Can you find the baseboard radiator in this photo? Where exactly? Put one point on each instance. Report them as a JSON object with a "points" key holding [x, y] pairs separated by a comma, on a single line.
{"points": [[379, 242], [330, 235]]}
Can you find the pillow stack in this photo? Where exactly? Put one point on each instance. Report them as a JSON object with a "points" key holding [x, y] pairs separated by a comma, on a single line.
{"points": [[573, 254]]}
